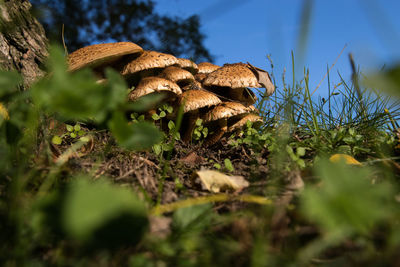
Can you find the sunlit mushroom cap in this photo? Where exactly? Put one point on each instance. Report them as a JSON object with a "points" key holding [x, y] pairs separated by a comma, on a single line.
{"points": [[227, 110], [207, 67], [243, 121], [232, 75], [99, 54], [196, 99], [188, 65], [176, 74], [148, 60], [151, 85]]}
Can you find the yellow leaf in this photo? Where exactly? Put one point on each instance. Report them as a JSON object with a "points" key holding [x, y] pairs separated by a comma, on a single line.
{"points": [[343, 157], [4, 112]]}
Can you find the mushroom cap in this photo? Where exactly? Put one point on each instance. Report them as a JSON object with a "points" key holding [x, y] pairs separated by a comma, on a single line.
{"points": [[242, 122], [188, 65], [176, 74], [227, 110], [200, 76], [148, 60], [150, 85], [235, 75], [207, 67], [100, 54], [196, 99]]}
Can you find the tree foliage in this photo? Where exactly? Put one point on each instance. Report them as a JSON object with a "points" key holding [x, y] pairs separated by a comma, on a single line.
{"points": [[89, 21]]}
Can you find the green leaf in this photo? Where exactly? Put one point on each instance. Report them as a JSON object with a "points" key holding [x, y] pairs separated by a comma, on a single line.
{"points": [[56, 140], [77, 127], [300, 151], [194, 218], [77, 96], [70, 128], [348, 202], [169, 109], [103, 214], [135, 136], [199, 122], [177, 136], [171, 125], [228, 165], [205, 132], [217, 166], [162, 114], [145, 103], [9, 80], [157, 148], [73, 135], [155, 117]]}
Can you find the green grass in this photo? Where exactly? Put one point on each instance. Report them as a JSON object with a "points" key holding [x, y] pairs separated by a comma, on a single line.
{"points": [[54, 212]]}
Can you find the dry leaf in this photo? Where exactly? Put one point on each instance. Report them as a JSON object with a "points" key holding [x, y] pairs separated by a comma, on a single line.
{"points": [[216, 182], [263, 78]]}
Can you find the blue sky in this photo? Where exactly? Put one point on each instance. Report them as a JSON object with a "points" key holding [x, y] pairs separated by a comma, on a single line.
{"points": [[248, 30]]}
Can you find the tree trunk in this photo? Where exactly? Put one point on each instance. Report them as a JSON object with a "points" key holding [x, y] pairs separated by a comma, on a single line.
{"points": [[23, 43]]}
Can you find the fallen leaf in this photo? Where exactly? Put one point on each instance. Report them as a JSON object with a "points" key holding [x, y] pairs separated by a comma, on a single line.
{"points": [[216, 182], [263, 78], [343, 157]]}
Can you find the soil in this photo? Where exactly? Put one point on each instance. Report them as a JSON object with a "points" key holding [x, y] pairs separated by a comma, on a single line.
{"points": [[144, 170]]}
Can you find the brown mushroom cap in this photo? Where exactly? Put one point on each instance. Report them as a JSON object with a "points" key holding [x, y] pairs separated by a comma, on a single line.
{"points": [[100, 54], [188, 65], [227, 110], [236, 75], [242, 122], [200, 76], [207, 67], [150, 85], [196, 99], [148, 60], [176, 74]]}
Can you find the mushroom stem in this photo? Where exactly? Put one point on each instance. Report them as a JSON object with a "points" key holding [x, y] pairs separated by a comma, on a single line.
{"points": [[216, 136], [192, 116]]}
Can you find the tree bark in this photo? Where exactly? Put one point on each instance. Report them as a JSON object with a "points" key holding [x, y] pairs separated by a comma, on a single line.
{"points": [[23, 43]]}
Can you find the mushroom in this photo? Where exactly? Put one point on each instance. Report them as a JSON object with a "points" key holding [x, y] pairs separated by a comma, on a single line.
{"points": [[155, 85], [232, 80], [149, 63], [217, 118], [207, 67], [193, 101], [242, 122], [204, 69], [99, 56], [188, 65], [180, 76], [151, 85]]}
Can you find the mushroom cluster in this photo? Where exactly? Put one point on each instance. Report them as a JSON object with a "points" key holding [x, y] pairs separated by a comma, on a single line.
{"points": [[220, 96]]}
